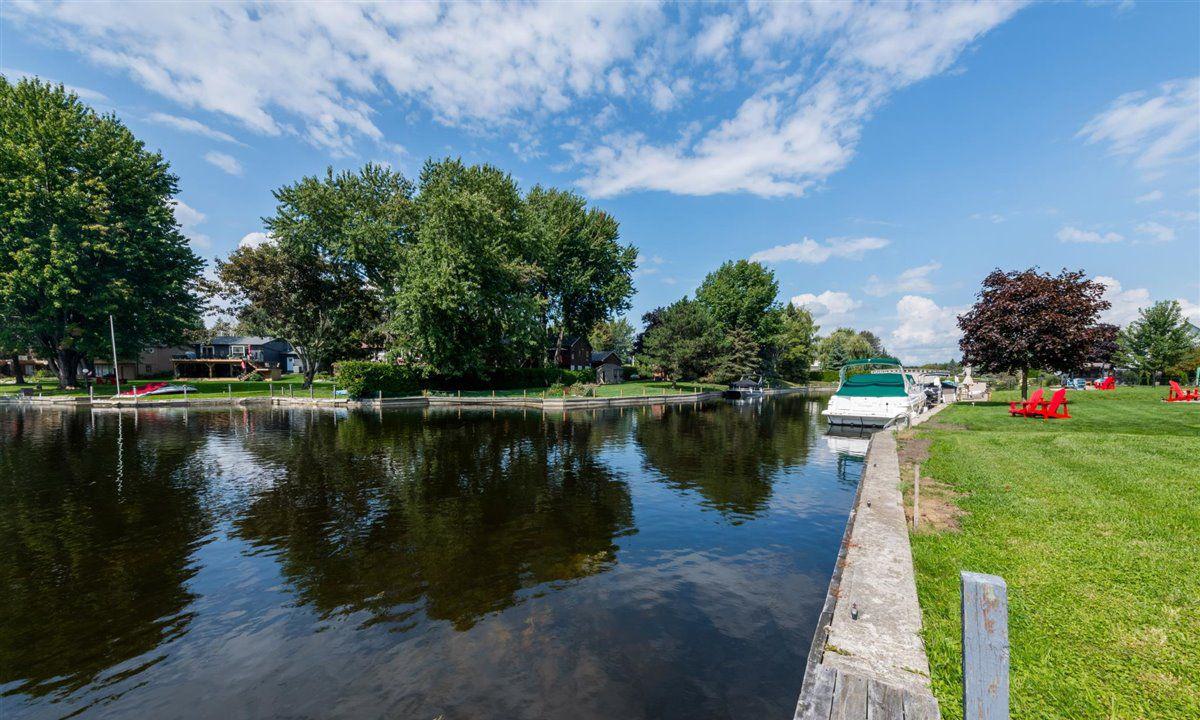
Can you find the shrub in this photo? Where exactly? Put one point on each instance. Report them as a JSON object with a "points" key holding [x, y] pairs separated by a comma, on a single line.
{"points": [[823, 376], [361, 378]]}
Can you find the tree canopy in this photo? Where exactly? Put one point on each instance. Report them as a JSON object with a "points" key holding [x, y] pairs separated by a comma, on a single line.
{"points": [[682, 343], [1156, 341], [615, 335], [87, 229], [1027, 319], [842, 345], [742, 295], [796, 342]]}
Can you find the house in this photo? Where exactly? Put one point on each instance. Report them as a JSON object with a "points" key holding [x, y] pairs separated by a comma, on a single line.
{"points": [[575, 354], [232, 356], [608, 366], [152, 362]]}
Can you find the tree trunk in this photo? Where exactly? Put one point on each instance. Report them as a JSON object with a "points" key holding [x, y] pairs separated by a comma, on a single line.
{"points": [[18, 370], [67, 362], [1024, 383], [558, 348]]}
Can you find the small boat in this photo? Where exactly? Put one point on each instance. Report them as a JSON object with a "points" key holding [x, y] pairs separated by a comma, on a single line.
{"points": [[160, 388], [877, 398], [743, 390]]}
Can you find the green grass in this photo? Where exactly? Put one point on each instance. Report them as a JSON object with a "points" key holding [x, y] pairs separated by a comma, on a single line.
{"points": [[625, 389], [1094, 523], [205, 389]]}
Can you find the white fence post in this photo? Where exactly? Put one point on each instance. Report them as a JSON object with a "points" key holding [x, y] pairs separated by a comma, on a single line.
{"points": [[984, 646]]}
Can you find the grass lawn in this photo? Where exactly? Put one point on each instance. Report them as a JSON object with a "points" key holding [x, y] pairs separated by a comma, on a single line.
{"points": [[1094, 522], [205, 388]]}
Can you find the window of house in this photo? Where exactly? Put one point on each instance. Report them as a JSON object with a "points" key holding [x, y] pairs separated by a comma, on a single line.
{"points": [[237, 350]]}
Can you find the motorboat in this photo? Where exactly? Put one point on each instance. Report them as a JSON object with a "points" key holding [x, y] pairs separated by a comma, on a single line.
{"points": [[874, 392], [159, 388]]}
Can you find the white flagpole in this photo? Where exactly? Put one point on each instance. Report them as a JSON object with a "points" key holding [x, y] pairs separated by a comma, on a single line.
{"points": [[116, 367]]}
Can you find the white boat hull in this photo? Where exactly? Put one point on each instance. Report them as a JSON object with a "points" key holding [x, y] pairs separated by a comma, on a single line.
{"points": [[871, 412]]}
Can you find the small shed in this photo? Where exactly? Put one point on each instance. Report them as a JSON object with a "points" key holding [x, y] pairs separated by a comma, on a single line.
{"points": [[608, 366]]}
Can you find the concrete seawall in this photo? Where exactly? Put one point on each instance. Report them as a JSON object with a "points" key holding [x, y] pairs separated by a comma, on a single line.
{"points": [[867, 657]]}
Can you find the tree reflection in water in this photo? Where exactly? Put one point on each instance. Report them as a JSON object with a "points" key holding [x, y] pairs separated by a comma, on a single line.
{"points": [[94, 562], [731, 459], [446, 515]]}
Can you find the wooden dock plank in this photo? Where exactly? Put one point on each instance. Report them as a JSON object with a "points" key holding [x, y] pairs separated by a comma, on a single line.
{"points": [[884, 702], [816, 701], [920, 707], [849, 697]]}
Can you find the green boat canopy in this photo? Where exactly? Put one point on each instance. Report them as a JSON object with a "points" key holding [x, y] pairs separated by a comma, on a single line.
{"points": [[873, 361], [873, 385]]}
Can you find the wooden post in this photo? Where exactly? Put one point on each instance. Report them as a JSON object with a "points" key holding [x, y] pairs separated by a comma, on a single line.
{"points": [[185, 395], [229, 391], [985, 646], [291, 390], [916, 496], [310, 392], [381, 397]]}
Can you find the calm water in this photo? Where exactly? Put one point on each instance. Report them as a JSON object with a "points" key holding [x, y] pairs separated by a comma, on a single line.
{"points": [[225, 563]]}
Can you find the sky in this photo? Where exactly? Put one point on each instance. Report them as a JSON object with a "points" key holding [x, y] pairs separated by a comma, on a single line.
{"points": [[880, 158]]}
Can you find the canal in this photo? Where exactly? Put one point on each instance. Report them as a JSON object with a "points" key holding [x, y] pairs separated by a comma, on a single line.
{"points": [[296, 563]]}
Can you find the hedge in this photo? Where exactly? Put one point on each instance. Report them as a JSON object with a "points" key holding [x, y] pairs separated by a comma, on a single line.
{"points": [[360, 378]]}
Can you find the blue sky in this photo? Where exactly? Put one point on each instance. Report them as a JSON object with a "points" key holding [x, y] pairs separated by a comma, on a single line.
{"points": [[881, 158]]}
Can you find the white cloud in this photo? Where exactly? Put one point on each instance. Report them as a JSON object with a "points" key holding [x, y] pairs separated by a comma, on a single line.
{"points": [[188, 218], [830, 307], [912, 280], [802, 124], [1191, 310], [228, 163], [255, 239], [716, 36], [1152, 196], [1156, 231], [811, 251], [925, 331], [1125, 303], [189, 125], [1074, 235], [1154, 129], [990, 217]]}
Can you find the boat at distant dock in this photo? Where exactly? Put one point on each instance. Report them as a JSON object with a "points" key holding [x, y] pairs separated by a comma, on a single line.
{"points": [[874, 392], [743, 389]]}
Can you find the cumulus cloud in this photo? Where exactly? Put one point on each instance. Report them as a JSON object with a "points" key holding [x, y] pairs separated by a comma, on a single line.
{"points": [[925, 331], [255, 239], [830, 307], [1125, 302], [1154, 129], [807, 76], [189, 125], [188, 218], [227, 163], [912, 280], [1152, 196], [1156, 231], [1072, 234], [811, 251]]}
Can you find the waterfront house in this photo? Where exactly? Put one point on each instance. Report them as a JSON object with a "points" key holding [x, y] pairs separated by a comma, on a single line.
{"points": [[233, 356], [575, 354], [608, 366]]}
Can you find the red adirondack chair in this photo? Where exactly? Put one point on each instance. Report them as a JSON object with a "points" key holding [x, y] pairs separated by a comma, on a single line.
{"points": [[1018, 407], [1178, 394], [1055, 409], [1108, 383]]}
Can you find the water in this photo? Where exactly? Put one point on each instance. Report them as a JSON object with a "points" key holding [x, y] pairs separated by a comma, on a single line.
{"points": [[645, 563]]}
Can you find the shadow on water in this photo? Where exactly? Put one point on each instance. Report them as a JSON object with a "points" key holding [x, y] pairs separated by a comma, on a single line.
{"points": [[508, 564]]}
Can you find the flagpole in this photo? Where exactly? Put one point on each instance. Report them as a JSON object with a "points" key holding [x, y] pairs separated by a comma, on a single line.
{"points": [[116, 367]]}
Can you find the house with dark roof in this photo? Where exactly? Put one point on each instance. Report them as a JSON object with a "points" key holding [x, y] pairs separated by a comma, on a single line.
{"points": [[575, 353], [608, 366], [234, 355]]}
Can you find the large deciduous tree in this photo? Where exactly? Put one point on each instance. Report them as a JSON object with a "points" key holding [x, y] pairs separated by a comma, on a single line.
{"points": [[1028, 319], [585, 273], [87, 229], [615, 335], [742, 295], [1156, 341], [796, 342], [315, 304], [682, 343], [842, 345], [465, 303]]}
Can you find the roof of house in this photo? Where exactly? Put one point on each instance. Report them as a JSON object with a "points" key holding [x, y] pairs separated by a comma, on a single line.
{"points": [[602, 355], [239, 340], [568, 341]]}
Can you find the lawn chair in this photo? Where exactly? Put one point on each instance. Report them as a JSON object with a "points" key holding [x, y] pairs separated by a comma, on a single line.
{"points": [[1178, 394], [1017, 407], [1108, 383], [1051, 410]]}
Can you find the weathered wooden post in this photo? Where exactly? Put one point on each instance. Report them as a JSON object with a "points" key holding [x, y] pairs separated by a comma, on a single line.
{"points": [[380, 397], [229, 392], [984, 646], [916, 496], [185, 395]]}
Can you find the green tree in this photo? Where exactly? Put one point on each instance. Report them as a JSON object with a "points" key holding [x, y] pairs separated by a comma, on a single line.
{"points": [[315, 304], [877, 348], [683, 345], [796, 342], [466, 302], [739, 356], [742, 294], [87, 229], [840, 346], [586, 274], [615, 335], [1157, 340]]}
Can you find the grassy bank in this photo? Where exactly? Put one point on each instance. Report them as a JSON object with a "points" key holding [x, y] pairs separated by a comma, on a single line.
{"points": [[204, 388], [1094, 522]]}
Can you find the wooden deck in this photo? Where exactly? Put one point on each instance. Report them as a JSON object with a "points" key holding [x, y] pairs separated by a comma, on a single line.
{"points": [[835, 694]]}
